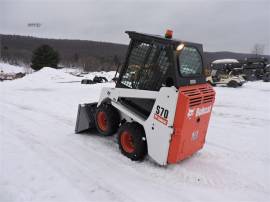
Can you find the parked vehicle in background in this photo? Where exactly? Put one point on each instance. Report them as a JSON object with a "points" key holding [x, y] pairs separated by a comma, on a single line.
{"points": [[225, 66], [217, 78], [266, 76], [96, 79], [10, 76], [254, 68], [226, 72]]}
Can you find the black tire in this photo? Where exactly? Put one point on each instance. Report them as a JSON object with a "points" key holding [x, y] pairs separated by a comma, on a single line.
{"points": [[212, 84], [252, 77], [245, 77], [233, 84], [87, 81], [110, 119], [266, 78], [139, 146]]}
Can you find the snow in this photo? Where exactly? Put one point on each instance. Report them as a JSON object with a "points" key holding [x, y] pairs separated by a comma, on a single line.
{"points": [[225, 61], [7, 68], [41, 159]]}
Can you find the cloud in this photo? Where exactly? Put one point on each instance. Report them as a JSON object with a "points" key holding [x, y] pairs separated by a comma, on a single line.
{"points": [[220, 25]]}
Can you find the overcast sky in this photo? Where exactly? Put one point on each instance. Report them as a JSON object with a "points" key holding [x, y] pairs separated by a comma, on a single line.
{"points": [[230, 25]]}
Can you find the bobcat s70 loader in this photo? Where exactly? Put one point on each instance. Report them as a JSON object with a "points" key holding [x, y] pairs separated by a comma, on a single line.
{"points": [[161, 104]]}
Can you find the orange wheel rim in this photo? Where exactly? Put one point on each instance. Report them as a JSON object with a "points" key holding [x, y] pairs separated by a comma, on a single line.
{"points": [[127, 142], [102, 121]]}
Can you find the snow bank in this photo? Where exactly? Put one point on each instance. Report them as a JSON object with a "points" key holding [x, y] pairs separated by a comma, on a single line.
{"points": [[109, 75], [52, 74], [224, 61], [48, 77], [48, 74], [7, 68]]}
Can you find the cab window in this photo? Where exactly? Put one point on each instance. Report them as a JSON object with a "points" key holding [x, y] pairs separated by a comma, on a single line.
{"points": [[190, 62], [135, 62], [146, 68]]}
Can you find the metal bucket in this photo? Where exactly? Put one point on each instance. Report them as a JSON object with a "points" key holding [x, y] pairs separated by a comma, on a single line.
{"points": [[85, 117]]}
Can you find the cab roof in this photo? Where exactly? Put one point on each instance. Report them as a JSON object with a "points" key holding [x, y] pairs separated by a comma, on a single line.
{"points": [[150, 38]]}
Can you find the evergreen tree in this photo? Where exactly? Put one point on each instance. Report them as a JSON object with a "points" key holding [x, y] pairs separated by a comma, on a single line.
{"points": [[44, 56]]}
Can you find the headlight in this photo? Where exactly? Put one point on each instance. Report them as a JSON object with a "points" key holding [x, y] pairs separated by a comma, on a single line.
{"points": [[180, 47]]}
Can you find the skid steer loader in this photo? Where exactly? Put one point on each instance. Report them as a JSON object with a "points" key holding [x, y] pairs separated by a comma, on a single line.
{"points": [[161, 104]]}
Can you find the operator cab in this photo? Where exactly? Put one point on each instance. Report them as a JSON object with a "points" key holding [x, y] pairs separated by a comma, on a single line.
{"points": [[154, 61]]}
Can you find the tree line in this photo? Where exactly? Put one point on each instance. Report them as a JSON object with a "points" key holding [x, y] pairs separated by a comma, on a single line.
{"points": [[87, 55]]}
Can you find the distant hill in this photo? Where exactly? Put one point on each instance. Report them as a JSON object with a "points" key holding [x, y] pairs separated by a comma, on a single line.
{"points": [[90, 55]]}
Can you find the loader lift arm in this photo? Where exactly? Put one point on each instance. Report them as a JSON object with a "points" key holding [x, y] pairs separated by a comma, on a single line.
{"points": [[114, 95]]}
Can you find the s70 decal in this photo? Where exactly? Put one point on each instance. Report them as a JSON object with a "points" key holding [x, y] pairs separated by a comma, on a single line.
{"points": [[161, 114]]}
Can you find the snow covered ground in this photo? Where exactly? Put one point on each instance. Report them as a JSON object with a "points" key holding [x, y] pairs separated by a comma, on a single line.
{"points": [[41, 159], [7, 68]]}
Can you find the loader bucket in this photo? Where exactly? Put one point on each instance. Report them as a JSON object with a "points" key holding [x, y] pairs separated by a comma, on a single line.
{"points": [[85, 117]]}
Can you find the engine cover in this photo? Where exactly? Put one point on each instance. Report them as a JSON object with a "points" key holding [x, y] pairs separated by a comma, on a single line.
{"points": [[193, 110]]}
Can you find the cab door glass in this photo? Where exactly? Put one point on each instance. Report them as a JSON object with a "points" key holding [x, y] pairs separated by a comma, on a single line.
{"points": [[157, 67], [190, 62], [136, 60], [147, 66]]}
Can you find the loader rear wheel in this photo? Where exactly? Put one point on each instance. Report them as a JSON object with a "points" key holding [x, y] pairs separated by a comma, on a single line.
{"points": [[132, 141], [107, 119]]}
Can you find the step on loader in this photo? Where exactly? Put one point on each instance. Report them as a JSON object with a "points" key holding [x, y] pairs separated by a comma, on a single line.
{"points": [[161, 103]]}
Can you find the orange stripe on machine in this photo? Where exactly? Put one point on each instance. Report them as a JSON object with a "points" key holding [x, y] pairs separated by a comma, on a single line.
{"points": [[161, 119]]}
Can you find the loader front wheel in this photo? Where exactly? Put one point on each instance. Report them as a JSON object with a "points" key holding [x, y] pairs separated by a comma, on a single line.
{"points": [[107, 120], [132, 141]]}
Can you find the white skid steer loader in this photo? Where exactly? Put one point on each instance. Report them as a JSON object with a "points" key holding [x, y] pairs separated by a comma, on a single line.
{"points": [[161, 104]]}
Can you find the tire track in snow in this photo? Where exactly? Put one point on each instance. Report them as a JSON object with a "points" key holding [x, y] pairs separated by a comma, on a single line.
{"points": [[70, 168], [172, 175], [185, 176], [234, 154], [84, 167]]}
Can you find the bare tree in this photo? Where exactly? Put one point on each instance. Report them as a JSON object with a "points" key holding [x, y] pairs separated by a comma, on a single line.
{"points": [[258, 49]]}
